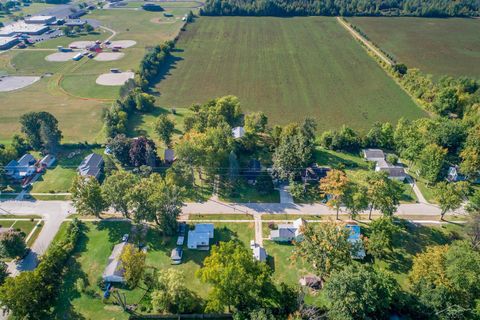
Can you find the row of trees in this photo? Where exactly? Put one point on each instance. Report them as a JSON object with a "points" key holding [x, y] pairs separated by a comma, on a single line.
{"points": [[32, 294], [149, 198], [430, 8]]}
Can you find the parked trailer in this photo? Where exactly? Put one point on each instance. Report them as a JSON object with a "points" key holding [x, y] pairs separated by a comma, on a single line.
{"points": [[77, 57]]}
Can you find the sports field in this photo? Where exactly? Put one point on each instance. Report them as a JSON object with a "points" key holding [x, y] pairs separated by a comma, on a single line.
{"points": [[288, 68], [436, 46], [68, 89]]}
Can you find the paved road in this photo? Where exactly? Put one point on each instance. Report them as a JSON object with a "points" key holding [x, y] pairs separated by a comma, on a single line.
{"points": [[53, 213]]}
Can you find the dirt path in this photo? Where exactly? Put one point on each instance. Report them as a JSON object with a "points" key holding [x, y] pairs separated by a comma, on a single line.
{"points": [[367, 43]]}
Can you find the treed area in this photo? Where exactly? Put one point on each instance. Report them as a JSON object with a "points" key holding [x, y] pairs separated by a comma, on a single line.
{"points": [[430, 8]]}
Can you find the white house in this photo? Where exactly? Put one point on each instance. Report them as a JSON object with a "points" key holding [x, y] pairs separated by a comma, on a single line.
{"points": [[289, 232], [199, 238]]}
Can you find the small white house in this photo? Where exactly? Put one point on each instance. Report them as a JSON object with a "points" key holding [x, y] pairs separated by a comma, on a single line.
{"points": [[199, 238], [289, 232], [238, 132], [259, 254]]}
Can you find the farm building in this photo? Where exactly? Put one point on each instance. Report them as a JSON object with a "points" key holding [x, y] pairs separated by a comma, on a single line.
{"points": [[356, 241], [91, 166], [114, 271], [21, 27], [77, 14], [24, 167], [7, 42], [41, 20], [289, 232], [373, 155], [199, 238]]}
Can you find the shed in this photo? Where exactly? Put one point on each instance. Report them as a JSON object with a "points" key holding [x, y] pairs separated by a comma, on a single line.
{"points": [[373, 154], [259, 254], [48, 161], [238, 132]]}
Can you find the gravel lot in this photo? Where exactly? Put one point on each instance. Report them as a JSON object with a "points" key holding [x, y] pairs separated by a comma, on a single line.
{"points": [[114, 79], [15, 83]]}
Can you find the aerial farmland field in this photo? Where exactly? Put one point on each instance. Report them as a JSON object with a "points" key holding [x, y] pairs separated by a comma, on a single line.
{"points": [[435, 46], [289, 68]]}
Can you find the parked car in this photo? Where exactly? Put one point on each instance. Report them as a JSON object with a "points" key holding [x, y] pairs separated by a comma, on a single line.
{"points": [[125, 237], [180, 240], [176, 255]]}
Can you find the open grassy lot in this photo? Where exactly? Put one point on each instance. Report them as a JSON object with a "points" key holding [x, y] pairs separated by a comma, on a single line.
{"points": [[436, 46], [92, 255], [288, 68]]}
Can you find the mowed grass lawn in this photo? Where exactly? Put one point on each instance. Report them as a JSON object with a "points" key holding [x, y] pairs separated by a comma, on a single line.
{"points": [[436, 46], [92, 255], [289, 68]]}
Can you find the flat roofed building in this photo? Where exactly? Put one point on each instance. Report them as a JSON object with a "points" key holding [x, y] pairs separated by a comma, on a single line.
{"points": [[7, 42], [199, 238], [21, 27], [41, 20]]}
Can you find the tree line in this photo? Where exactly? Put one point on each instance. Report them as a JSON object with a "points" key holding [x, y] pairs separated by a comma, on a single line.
{"points": [[429, 8]]}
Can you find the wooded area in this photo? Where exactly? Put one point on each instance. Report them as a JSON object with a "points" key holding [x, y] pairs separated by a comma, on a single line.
{"points": [[429, 8]]}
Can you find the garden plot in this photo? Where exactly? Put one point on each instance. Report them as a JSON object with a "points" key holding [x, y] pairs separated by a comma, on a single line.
{"points": [[114, 79], [109, 56], [122, 44], [61, 56], [14, 83]]}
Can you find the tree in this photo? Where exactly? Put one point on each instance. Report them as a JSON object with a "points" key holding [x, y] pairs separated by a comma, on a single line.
{"points": [[171, 295], [360, 292], [380, 136], [116, 190], [384, 193], [334, 185], [12, 244], [3, 272], [446, 281], [87, 196], [181, 174], [41, 130], [473, 222], [237, 280], [144, 102], [382, 233], [88, 28], [324, 247], [164, 128], [133, 262], [233, 171], [470, 165], [143, 152], [120, 147], [430, 162], [355, 199], [256, 122], [449, 196]]}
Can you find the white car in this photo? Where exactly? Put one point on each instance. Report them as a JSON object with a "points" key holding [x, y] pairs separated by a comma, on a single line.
{"points": [[125, 237]]}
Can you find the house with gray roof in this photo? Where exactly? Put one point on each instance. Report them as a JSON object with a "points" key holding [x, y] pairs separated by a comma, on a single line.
{"points": [[289, 232], [373, 154], [199, 238], [394, 172], [24, 167], [259, 254], [91, 166], [114, 271]]}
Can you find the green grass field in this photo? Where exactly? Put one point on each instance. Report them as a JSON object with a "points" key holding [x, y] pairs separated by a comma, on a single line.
{"points": [[289, 68], [436, 46]]}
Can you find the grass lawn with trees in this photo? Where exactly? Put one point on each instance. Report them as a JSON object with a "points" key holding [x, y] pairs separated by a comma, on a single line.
{"points": [[300, 67], [95, 248], [436, 46]]}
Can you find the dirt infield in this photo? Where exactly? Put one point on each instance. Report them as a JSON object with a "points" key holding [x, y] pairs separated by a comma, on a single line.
{"points": [[114, 79], [122, 43], [81, 44], [15, 83], [61, 56], [109, 56]]}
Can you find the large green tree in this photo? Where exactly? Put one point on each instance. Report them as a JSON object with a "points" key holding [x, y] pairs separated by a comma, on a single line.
{"points": [[384, 194], [41, 130], [116, 190], [87, 196], [12, 244], [164, 128], [238, 281], [335, 186], [360, 292], [449, 196], [133, 262], [430, 162], [324, 247]]}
